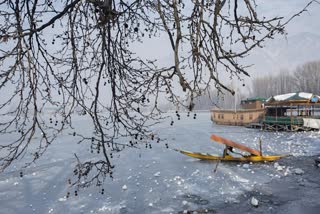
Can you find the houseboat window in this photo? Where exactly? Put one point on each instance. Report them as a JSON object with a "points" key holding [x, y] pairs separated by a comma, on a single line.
{"points": [[241, 117], [222, 116], [250, 116], [214, 115], [218, 116]]}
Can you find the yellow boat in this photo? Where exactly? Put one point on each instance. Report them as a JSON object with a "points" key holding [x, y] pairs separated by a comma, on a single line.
{"points": [[249, 158]]}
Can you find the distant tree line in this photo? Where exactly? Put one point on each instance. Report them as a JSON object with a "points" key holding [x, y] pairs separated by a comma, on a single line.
{"points": [[304, 78]]}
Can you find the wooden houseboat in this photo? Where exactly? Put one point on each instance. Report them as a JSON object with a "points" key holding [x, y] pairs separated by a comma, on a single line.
{"points": [[292, 112], [252, 111]]}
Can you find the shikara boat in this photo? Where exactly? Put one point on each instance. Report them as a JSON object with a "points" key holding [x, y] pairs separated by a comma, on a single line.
{"points": [[249, 158], [229, 155]]}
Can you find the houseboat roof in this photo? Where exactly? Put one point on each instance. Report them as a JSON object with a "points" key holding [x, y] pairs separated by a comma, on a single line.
{"points": [[236, 110], [298, 97], [252, 99]]}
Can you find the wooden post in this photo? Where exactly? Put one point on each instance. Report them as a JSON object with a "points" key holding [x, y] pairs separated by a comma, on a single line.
{"points": [[260, 145], [291, 118], [276, 117]]}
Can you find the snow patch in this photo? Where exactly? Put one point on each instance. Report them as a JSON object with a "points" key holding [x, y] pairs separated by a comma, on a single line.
{"points": [[283, 96], [305, 95], [124, 187], [104, 208], [157, 174], [195, 172], [62, 199], [254, 202]]}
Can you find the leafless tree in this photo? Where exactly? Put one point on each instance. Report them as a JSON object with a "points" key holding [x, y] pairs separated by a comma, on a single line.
{"points": [[304, 78], [76, 54], [307, 77], [271, 85]]}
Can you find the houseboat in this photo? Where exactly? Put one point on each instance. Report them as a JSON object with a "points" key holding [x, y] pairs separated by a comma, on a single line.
{"points": [[292, 112], [252, 111]]}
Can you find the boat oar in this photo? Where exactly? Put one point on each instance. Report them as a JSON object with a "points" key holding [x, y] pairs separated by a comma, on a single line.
{"points": [[216, 168], [224, 155]]}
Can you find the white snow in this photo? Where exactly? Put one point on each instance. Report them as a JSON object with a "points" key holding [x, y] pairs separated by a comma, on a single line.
{"points": [[62, 199], [157, 174], [254, 202], [278, 167], [104, 209], [282, 97], [305, 95], [124, 187], [195, 172]]}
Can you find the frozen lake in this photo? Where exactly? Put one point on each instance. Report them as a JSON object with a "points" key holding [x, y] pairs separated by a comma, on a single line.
{"points": [[157, 180]]}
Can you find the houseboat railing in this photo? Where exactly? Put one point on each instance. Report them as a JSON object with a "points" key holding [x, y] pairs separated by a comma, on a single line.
{"points": [[283, 120]]}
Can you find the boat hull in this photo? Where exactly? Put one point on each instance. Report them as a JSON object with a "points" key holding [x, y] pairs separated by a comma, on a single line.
{"points": [[251, 158]]}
